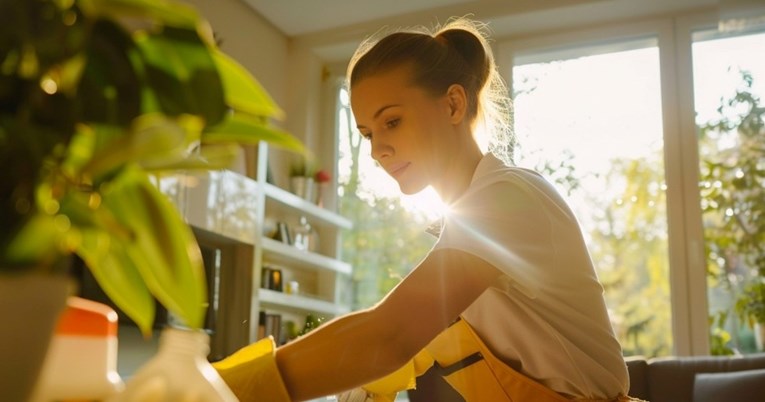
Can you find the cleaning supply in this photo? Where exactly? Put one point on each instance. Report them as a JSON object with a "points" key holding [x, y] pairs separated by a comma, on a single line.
{"points": [[179, 371], [81, 364]]}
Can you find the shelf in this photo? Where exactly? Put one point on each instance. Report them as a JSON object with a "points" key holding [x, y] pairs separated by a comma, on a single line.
{"points": [[280, 253], [309, 209], [300, 304]]}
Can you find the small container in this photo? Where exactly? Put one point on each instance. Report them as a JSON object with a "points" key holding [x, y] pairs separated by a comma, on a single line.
{"points": [[271, 278], [303, 187], [293, 287], [81, 363], [179, 371]]}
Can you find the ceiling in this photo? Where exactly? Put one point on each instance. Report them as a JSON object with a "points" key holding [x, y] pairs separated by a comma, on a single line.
{"points": [[333, 28], [297, 18]]}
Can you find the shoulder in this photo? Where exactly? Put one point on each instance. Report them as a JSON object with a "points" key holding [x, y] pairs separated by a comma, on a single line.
{"points": [[496, 183], [491, 170], [503, 193]]}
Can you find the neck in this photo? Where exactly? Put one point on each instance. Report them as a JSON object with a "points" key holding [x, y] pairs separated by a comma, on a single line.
{"points": [[458, 172]]}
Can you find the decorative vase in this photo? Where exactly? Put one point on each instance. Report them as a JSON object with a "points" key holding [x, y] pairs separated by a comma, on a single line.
{"points": [[303, 187], [30, 305], [759, 336], [179, 371]]}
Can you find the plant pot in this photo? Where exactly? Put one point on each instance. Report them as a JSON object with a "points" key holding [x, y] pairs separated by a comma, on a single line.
{"points": [[303, 187], [29, 308], [759, 336]]}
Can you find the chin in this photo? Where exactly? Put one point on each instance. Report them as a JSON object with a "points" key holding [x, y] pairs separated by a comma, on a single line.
{"points": [[411, 188]]}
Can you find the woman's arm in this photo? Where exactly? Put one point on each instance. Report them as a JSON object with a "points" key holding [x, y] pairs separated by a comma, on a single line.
{"points": [[360, 347]]}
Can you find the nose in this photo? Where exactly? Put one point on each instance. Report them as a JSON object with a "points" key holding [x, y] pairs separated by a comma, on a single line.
{"points": [[380, 149]]}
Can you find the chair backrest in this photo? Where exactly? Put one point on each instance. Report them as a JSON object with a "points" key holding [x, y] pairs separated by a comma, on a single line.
{"points": [[637, 366], [675, 379]]}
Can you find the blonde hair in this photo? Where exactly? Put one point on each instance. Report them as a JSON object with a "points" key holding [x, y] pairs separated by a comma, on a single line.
{"points": [[456, 52]]}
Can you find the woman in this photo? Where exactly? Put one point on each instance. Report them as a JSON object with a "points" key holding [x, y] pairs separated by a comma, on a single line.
{"points": [[510, 266]]}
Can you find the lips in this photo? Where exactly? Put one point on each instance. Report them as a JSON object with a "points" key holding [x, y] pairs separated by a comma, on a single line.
{"points": [[398, 169]]}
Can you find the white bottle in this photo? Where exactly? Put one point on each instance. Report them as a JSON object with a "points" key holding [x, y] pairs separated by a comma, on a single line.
{"points": [[178, 372], [302, 235], [81, 364]]}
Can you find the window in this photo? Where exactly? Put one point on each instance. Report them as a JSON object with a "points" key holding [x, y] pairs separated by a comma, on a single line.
{"points": [[590, 119]]}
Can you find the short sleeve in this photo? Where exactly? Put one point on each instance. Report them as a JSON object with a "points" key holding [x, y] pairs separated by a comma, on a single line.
{"points": [[509, 223]]}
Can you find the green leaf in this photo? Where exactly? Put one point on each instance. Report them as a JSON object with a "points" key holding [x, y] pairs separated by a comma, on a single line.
{"points": [[151, 140], [163, 247], [163, 11], [37, 242], [245, 129], [207, 157], [242, 91], [109, 89], [80, 151], [181, 73], [117, 274]]}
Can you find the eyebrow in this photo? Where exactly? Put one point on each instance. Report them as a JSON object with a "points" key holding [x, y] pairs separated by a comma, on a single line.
{"points": [[379, 112]]}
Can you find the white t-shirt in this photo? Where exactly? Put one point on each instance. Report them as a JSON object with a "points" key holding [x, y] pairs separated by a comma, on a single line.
{"points": [[546, 317]]}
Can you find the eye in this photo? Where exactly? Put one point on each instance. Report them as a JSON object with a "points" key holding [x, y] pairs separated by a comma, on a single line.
{"points": [[366, 135], [392, 123]]}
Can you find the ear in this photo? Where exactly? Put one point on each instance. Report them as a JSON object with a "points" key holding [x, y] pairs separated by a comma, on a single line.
{"points": [[457, 103]]}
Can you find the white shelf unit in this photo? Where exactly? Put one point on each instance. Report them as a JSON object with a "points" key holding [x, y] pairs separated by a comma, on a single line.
{"points": [[299, 304], [284, 254], [324, 280]]}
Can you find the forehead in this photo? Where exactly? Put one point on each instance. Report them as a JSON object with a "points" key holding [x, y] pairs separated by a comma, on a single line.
{"points": [[392, 86]]}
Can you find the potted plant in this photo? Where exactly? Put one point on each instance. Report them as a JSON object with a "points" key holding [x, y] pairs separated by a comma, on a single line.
{"points": [[96, 98], [302, 173], [750, 306]]}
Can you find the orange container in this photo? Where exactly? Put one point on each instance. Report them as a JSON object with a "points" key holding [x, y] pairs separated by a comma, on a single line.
{"points": [[81, 364]]}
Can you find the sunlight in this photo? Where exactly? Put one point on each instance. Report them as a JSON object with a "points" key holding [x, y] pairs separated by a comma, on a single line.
{"points": [[375, 182]]}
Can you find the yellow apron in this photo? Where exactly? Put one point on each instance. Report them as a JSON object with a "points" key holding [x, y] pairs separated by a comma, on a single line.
{"points": [[460, 356], [465, 362]]}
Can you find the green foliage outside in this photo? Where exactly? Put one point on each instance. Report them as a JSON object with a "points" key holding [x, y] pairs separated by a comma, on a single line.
{"points": [[733, 203], [629, 247]]}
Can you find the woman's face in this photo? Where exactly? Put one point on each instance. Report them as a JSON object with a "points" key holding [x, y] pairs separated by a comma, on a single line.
{"points": [[409, 129]]}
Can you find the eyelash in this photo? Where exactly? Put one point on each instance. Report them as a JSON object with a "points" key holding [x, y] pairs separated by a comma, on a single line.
{"points": [[390, 124]]}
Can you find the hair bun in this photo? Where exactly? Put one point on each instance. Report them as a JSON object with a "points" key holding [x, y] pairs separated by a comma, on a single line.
{"points": [[471, 48]]}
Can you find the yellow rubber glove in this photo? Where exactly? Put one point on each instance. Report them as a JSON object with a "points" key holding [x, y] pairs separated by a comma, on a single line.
{"points": [[386, 388], [252, 374]]}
